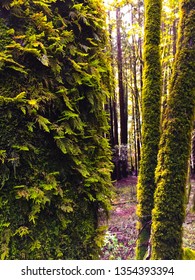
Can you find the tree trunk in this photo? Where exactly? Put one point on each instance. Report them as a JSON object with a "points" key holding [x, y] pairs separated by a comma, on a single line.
{"points": [[150, 123], [174, 28], [135, 167], [113, 114], [136, 98], [193, 154], [175, 146], [122, 94]]}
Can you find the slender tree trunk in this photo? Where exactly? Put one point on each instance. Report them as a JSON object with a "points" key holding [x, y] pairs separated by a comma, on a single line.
{"points": [[112, 101], [136, 98], [134, 165], [174, 28], [113, 113], [175, 146], [111, 122], [135, 137], [136, 66], [140, 46], [122, 94], [193, 153], [150, 123], [141, 63], [120, 78]]}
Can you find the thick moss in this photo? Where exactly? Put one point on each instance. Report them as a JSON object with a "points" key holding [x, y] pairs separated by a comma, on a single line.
{"points": [[150, 123], [54, 158], [172, 169]]}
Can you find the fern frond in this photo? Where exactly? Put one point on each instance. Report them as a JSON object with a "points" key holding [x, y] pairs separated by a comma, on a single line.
{"points": [[61, 145], [43, 123]]}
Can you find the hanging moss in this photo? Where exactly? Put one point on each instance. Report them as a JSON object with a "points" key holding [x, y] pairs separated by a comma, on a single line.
{"points": [[172, 169], [54, 157], [150, 123]]}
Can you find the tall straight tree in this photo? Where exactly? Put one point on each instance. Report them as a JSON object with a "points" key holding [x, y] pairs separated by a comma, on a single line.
{"points": [[193, 153], [136, 100], [123, 113], [113, 98], [122, 93], [175, 145], [150, 122], [114, 137]]}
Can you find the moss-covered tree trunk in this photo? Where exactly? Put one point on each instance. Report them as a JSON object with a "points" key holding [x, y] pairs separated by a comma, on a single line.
{"points": [[175, 145], [150, 122], [54, 158]]}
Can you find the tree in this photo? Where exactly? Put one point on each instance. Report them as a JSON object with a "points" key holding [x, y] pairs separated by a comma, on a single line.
{"points": [[151, 96], [136, 105], [54, 157], [193, 153], [114, 137], [169, 28], [125, 18], [122, 96], [175, 145]]}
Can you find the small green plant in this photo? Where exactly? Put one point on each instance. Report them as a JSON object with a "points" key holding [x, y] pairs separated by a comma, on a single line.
{"points": [[115, 247], [188, 254]]}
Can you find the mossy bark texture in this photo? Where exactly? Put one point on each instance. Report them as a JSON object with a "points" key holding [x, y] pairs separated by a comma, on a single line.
{"points": [[151, 123], [171, 173], [54, 158]]}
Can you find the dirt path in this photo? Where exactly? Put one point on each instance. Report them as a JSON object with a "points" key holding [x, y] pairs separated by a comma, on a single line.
{"points": [[122, 234]]}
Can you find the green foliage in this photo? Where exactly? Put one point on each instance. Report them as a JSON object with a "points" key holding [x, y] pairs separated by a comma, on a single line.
{"points": [[188, 254], [54, 158]]}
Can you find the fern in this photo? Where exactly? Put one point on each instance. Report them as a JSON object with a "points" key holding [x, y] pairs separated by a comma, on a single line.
{"points": [[20, 98], [3, 155], [66, 115], [64, 93], [43, 123], [53, 90], [22, 231], [20, 148], [60, 144], [16, 68], [76, 66], [6, 60]]}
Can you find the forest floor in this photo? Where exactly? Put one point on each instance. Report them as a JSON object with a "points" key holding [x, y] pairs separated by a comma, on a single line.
{"points": [[121, 235]]}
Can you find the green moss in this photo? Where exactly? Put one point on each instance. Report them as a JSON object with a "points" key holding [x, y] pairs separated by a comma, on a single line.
{"points": [[188, 254], [151, 96], [143, 239], [54, 160], [172, 169]]}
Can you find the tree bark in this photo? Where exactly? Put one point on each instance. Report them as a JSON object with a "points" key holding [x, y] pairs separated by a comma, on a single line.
{"points": [[150, 123], [122, 94], [175, 146]]}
